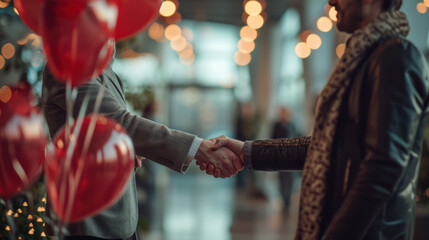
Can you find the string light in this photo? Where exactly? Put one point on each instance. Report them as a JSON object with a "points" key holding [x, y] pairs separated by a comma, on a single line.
{"points": [[314, 41], [246, 46], [40, 209], [333, 14], [242, 59], [25, 204], [9, 213], [7, 228], [31, 232], [16, 215], [168, 8], [156, 31], [30, 217], [39, 220], [2, 61], [302, 50], [421, 8], [44, 200], [172, 32], [31, 225], [19, 210], [253, 8], [426, 3], [248, 33], [324, 24], [340, 49], [8, 51], [255, 22]]}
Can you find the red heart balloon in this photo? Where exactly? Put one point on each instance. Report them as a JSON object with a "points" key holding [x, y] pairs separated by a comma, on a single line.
{"points": [[23, 137], [88, 171], [30, 12], [134, 16], [78, 38]]}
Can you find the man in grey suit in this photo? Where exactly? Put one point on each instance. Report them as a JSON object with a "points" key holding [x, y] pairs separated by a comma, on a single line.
{"points": [[171, 148]]}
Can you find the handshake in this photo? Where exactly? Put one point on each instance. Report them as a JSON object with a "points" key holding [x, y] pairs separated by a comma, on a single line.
{"points": [[221, 156]]}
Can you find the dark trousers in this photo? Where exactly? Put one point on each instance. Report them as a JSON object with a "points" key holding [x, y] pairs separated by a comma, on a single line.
{"points": [[133, 237]]}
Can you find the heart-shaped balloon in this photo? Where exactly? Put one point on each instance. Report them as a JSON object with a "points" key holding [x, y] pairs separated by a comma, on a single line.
{"points": [[135, 15], [78, 38], [87, 171], [23, 137]]}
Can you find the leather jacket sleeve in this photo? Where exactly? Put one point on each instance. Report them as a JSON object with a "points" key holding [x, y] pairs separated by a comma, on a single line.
{"points": [[278, 154], [398, 96]]}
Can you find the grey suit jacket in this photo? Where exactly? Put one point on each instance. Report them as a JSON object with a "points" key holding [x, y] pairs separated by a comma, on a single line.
{"points": [[152, 140]]}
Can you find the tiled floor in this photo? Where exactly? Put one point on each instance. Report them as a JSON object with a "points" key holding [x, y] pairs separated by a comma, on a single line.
{"points": [[197, 207]]}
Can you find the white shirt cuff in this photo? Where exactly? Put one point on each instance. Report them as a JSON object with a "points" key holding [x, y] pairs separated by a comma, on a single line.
{"points": [[191, 154]]}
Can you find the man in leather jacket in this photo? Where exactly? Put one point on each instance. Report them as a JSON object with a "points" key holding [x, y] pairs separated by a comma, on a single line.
{"points": [[360, 165]]}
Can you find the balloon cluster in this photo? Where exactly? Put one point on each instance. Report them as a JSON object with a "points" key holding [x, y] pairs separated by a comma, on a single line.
{"points": [[79, 35], [90, 161]]}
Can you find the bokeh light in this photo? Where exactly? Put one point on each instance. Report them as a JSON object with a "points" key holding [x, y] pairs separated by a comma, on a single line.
{"points": [[302, 50], [314, 41], [178, 44], [2, 62], [167, 9], [188, 34], [427, 192], [245, 46], [172, 32], [188, 60], [324, 24], [156, 31], [253, 8], [8, 51], [4, 3], [333, 14], [5, 94], [255, 22], [242, 59], [426, 2], [248, 33], [421, 8], [186, 53], [16, 11], [340, 49]]}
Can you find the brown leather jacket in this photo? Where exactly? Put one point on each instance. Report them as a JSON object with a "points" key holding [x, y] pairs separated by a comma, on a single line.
{"points": [[377, 147]]}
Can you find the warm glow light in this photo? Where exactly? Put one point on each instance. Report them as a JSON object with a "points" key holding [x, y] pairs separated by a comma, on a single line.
{"points": [[188, 34], [43, 234], [31, 225], [167, 9], [255, 22], [25, 204], [9, 213], [302, 50], [5, 95], [333, 14], [16, 215], [253, 8], [41, 209], [314, 41], [7, 228], [248, 33], [246, 46], [421, 8], [30, 217], [179, 44], [44, 200], [172, 32], [188, 61], [340, 49], [2, 62], [4, 3], [426, 3], [39, 220], [324, 24], [31, 232], [156, 31], [8, 50], [427, 192], [16, 11], [187, 52], [242, 59], [19, 210]]}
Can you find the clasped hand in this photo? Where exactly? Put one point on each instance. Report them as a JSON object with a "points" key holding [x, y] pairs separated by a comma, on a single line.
{"points": [[220, 157]]}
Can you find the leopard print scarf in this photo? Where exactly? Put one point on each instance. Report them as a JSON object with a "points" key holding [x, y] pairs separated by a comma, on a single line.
{"points": [[314, 183]]}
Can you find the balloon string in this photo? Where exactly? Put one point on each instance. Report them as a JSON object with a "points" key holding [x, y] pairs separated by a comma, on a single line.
{"points": [[87, 141], [10, 221]]}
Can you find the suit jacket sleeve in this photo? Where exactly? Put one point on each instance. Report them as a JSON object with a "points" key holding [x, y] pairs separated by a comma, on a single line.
{"points": [[151, 140], [397, 100]]}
